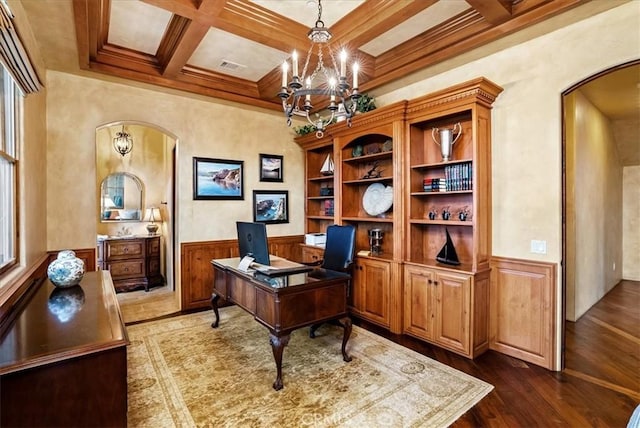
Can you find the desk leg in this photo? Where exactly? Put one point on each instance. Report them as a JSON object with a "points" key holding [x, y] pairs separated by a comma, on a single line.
{"points": [[346, 323], [277, 345], [214, 306]]}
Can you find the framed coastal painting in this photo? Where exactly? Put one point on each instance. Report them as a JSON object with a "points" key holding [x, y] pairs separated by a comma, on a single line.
{"points": [[271, 168], [271, 206], [217, 179]]}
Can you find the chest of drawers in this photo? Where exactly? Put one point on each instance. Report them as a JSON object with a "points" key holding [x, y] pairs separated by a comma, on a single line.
{"points": [[133, 262]]}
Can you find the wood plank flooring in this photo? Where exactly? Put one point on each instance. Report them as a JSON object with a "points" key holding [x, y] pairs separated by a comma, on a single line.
{"points": [[600, 386]]}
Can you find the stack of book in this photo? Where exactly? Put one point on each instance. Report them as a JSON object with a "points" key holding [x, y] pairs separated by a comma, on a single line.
{"points": [[434, 184], [458, 177]]}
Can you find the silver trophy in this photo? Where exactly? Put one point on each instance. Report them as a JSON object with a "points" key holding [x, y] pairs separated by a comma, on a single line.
{"points": [[447, 140]]}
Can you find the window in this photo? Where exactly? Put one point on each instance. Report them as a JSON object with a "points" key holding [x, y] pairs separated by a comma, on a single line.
{"points": [[10, 107]]}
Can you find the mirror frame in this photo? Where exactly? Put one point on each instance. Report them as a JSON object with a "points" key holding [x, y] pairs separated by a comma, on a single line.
{"points": [[139, 206]]}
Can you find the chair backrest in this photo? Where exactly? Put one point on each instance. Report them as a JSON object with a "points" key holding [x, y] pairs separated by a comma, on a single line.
{"points": [[339, 248]]}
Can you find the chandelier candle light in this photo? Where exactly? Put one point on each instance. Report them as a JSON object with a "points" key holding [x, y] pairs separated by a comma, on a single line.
{"points": [[123, 143], [342, 97]]}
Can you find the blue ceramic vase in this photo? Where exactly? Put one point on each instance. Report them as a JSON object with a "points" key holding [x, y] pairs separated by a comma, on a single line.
{"points": [[67, 270]]}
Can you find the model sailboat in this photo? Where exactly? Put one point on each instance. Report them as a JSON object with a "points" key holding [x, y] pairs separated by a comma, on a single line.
{"points": [[447, 254], [327, 166]]}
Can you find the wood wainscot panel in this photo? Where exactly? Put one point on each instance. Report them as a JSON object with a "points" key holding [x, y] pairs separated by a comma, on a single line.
{"points": [[523, 300], [197, 273]]}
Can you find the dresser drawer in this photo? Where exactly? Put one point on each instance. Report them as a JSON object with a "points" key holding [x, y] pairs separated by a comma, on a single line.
{"points": [[125, 249], [126, 269]]}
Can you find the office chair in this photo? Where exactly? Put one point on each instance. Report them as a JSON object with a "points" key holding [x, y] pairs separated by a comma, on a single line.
{"points": [[339, 251]]}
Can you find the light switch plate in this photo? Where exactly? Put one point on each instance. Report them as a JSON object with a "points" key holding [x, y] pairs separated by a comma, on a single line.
{"points": [[538, 247]]}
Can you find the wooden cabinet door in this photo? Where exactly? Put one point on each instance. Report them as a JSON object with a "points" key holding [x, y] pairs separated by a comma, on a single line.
{"points": [[372, 279], [453, 306], [419, 302], [312, 255]]}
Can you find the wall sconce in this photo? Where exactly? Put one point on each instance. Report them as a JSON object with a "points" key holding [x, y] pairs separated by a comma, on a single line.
{"points": [[123, 143], [152, 215]]}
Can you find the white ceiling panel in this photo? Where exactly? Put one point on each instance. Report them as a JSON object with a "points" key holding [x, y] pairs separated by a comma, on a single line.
{"points": [[306, 11], [244, 58], [417, 24], [137, 25]]}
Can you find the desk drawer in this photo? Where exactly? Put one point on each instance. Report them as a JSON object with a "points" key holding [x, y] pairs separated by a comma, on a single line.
{"points": [[126, 269]]}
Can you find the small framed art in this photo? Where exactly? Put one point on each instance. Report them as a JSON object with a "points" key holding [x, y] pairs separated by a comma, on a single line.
{"points": [[271, 206], [271, 168], [217, 179]]}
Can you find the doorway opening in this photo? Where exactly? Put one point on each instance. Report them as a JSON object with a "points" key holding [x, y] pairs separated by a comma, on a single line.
{"points": [[137, 232], [601, 130]]}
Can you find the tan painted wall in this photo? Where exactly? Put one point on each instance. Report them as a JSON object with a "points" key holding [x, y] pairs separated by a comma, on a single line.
{"points": [[77, 105], [631, 223], [597, 178]]}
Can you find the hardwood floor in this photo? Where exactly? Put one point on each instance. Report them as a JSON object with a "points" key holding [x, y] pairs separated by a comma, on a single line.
{"points": [[600, 386]]}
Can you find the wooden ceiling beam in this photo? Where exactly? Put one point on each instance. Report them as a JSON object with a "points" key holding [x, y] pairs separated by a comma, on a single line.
{"points": [[178, 44], [494, 11]]}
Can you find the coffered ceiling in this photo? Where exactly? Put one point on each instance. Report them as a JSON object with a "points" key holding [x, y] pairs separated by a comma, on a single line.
{"points": [[233, 49]]}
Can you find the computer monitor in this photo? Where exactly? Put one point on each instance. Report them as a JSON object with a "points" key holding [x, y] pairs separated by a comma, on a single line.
{"points": [[252, 241]]}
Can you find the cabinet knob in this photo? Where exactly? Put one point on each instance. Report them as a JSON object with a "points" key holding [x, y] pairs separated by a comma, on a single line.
{"points": [[429, 281], [435, 282]]}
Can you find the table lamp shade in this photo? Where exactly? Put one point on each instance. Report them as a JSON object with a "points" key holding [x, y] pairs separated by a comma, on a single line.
{"points": [[152, 215]]}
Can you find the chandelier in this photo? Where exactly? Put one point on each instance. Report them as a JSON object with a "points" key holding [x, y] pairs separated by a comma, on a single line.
{"points": [[123, 143], [331, 83]]}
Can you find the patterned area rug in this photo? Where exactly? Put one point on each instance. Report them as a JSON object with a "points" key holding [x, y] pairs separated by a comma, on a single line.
{"points": [[183, 373]]}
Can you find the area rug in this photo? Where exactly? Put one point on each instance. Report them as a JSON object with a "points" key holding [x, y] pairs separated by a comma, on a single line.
{"points": [[183, 373]]}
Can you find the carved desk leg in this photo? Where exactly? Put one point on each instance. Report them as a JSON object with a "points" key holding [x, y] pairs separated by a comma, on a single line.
{"points": [[346, 323], [277, 345], [214, 306]]}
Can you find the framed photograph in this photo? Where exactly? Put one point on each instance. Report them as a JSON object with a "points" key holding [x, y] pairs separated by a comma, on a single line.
{"points": [[217, 179], [271, 206], [270, 168]]}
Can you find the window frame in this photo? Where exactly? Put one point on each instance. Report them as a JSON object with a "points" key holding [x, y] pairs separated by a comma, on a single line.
{"points": [[11, 118]]}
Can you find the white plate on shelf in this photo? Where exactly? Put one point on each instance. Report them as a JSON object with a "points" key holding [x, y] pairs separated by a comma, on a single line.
{"points": [[377, 199]]}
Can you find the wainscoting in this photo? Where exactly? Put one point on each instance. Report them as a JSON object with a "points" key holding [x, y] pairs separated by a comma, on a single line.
{"points": [[523, 301], [197, 273]]}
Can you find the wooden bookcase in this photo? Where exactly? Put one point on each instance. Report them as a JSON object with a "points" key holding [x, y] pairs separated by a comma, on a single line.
{"points": [[377, 280], [319, 189], [404, 288], [445, 304]]}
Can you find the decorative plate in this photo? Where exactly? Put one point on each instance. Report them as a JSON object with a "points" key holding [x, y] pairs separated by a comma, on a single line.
{"points": [[377, 199]]}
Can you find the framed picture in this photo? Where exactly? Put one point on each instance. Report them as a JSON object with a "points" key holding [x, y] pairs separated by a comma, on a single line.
{"points": [[271, 206], [270, 168], [217, 179]]}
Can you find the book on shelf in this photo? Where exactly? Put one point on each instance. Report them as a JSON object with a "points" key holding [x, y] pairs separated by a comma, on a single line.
{"points": [[328, 207]]}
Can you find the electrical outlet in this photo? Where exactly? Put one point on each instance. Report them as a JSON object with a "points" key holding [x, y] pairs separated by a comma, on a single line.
{"points": [[538, 247]]}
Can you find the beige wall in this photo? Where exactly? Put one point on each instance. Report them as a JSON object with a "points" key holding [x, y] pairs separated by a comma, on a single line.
{"points": [[596, 223], [631, 223], [77, 105]]}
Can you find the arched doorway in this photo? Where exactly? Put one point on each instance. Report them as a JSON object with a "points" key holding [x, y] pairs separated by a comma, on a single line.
{"points": [[152, 161], [600, 137]]}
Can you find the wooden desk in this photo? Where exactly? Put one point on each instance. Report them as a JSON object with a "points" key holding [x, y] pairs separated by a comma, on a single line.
{"points": [[285, 303], [60, 367]]}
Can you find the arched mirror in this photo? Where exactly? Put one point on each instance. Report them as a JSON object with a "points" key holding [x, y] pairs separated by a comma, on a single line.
{"points": [[121, 198]]}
